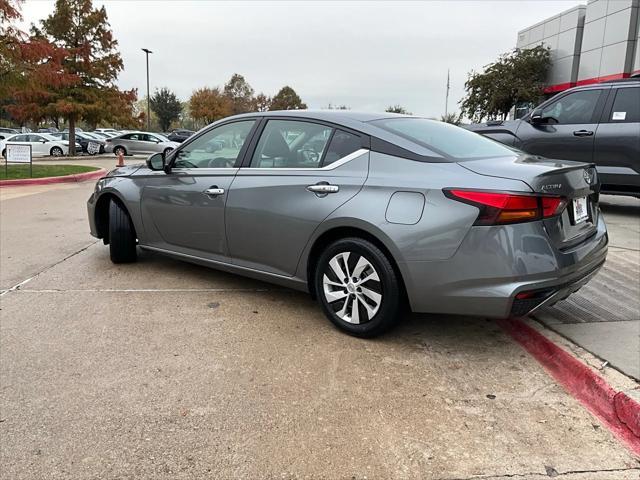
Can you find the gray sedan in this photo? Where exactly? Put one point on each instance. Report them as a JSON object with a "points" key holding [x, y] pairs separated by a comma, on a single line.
{"points": [[366, 212], [132, 143]]}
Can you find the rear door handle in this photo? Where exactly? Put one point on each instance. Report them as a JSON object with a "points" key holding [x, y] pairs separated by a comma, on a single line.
{"points": [[583, 133], [323, 188], [214, 191]]}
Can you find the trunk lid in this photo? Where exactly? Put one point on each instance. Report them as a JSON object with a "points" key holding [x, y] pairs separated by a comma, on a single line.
{"points": [[574, 181]]}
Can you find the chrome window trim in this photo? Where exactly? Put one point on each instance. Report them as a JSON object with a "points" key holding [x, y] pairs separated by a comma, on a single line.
{"points": [[333, 166]]}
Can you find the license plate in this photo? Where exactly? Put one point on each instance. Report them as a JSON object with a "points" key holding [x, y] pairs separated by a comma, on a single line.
{"points": [[580, 210]]}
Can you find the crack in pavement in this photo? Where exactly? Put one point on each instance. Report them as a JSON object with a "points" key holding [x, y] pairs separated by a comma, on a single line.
{"points": [[47, 268], [540, 475]]}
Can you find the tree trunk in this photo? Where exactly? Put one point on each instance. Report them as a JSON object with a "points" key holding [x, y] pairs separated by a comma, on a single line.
{"points": [[72, 135]]}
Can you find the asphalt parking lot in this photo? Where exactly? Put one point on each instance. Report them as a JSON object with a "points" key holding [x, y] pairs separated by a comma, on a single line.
{"points": [[163, 369]]}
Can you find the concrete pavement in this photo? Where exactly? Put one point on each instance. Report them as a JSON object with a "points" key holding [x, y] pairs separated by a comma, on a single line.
{"points": [[604, 316], [162, 369]]}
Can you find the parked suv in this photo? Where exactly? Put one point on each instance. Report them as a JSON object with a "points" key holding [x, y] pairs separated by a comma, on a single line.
{"points": [[595, 123]]}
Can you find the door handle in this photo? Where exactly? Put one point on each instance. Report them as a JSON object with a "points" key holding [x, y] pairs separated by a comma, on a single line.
{"points": [[323, 188], [214, 191], [583, 133]]}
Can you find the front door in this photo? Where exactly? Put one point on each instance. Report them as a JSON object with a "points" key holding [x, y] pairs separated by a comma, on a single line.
{"points": [[568, 128], [183, 210], [299, 173]]}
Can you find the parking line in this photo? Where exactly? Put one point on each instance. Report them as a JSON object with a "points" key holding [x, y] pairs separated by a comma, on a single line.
{"points": [[150, 290]]}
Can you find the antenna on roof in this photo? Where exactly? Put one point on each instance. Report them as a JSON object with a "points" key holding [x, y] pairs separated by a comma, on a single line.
{"points": [[446, 101]]}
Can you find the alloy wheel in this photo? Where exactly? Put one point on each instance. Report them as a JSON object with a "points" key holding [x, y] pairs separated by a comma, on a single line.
{"points": [[352, 287]]}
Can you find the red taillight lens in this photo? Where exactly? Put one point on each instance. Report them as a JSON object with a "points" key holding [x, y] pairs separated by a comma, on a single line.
{"points": [[503, 208]]}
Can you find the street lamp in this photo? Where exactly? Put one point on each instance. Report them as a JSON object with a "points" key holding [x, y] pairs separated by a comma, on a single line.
{"points": [[147, 52]]}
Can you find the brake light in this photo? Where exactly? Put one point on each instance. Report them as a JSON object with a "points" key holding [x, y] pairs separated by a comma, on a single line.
{"points": [[497, 208]]}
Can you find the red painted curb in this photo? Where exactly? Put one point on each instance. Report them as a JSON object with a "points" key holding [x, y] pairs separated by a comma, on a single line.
{"points": [[78, 177], [616, 410]]}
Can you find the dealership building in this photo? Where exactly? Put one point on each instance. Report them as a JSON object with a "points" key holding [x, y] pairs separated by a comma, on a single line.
{"points": [[589, 43]]}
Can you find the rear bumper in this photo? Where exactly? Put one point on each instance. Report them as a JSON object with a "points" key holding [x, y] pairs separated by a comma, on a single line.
{"points": [[494, 264]]}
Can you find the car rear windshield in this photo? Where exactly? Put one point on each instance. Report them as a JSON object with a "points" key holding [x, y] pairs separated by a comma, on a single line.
{"points": [[444, 138]]}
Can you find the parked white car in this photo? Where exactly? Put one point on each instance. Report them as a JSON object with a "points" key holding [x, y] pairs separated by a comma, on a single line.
{"points": [[42, 144]]}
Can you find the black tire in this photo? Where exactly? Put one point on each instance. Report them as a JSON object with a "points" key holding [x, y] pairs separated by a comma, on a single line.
{"points": [[122, 236], [4, 153], [166, 152], [389, 309], [56, 152], [119, 149]]}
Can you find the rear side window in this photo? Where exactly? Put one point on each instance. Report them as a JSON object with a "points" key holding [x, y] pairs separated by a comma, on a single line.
{"points": [[291, 144], [342, 144], [626, 106], [575, 108], [444, 138]]}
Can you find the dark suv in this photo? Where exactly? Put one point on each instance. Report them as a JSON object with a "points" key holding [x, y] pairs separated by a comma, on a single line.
{"points": [[596, 123]]}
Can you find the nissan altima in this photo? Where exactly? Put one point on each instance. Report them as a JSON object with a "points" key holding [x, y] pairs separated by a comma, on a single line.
{"points": [[366, 212]]}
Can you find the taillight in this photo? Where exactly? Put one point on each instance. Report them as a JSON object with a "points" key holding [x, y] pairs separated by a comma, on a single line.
{"points": [[498, 208]]}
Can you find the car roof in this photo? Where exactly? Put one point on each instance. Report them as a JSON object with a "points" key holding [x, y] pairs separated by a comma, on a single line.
{"points": [[327, 115], [349, 119]]}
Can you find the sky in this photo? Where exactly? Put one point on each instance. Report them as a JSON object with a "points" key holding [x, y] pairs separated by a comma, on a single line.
{"points": [[365, 55]]}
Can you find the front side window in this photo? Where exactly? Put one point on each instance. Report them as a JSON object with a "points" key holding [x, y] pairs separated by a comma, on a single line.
{"points": [[20, 138], [626, 106], [452, 141], [217, 148], [575, 108], [291, 144]]}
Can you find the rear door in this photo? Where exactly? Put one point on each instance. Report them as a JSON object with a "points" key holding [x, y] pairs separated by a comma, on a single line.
{"points": [[569, 127], [617, 142], [299, 172]]}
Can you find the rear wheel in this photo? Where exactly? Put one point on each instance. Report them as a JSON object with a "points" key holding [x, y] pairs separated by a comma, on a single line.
{"points": [[122, 236], [120, 150], [358, 288], [166, 152], [56, 152]]}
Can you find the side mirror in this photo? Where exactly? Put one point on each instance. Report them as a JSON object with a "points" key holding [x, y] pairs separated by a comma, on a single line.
{"points": [[156, 162], [536, 116]]}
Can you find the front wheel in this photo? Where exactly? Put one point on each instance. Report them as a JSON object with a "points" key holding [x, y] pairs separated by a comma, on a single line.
{"points": [[56, 152], [122, 236], [358, 287]]}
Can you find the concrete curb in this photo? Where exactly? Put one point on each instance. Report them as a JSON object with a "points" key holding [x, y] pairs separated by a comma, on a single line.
{"points": [[78, 177], [618, 411]]}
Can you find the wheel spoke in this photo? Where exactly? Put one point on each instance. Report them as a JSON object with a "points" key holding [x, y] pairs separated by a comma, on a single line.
{"points": [[337, 269], [372, 276], [355, 311], [327, 281], [374, 296], [334, 295], [360, 267], [342, 313], [371, 311]]}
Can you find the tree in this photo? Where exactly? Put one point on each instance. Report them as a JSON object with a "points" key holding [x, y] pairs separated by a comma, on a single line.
{"points": [[30, 68], [517, 76], [287, 99], [397, 109], [209, 104], [239, 93], [93, 58], [166, 106], [452, 118], [262, 103]]}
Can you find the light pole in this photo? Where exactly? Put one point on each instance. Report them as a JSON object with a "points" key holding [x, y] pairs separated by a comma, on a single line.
{"points": [[147, 52]]}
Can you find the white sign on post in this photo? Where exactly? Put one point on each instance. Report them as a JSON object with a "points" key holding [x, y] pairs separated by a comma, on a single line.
{"points": [[93, 147], [17, 153]]}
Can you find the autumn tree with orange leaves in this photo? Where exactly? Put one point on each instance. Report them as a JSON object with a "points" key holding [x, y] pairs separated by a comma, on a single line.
{"points": [[30, 68], [92, 58]]}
